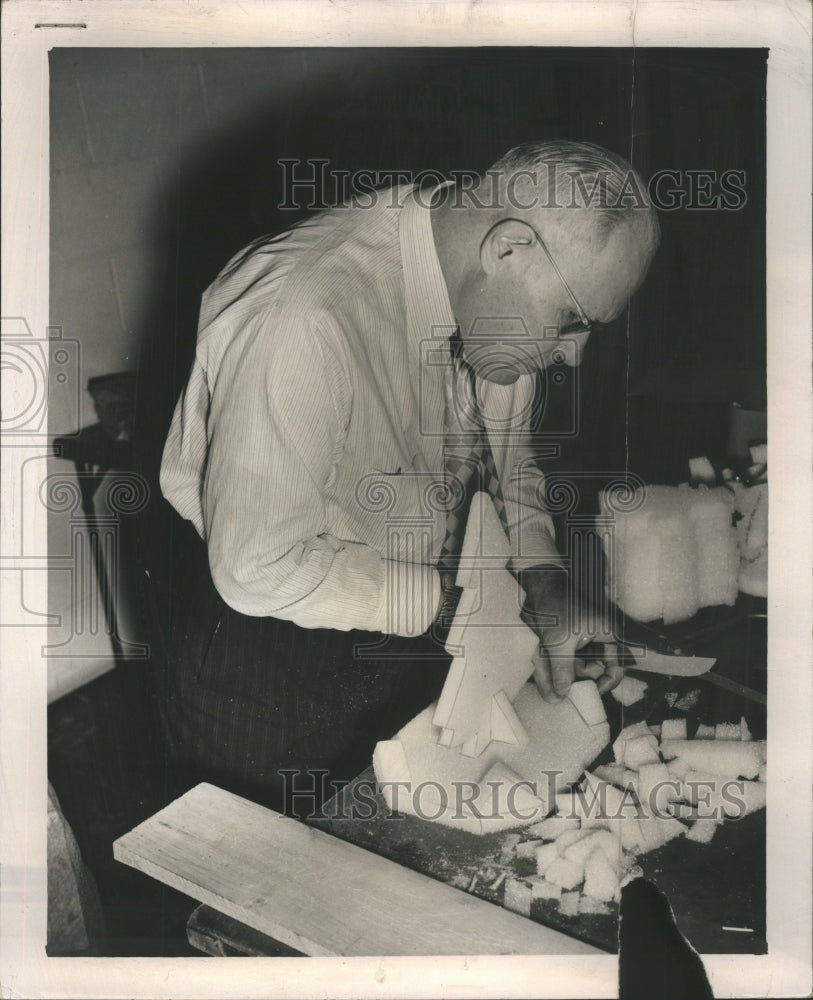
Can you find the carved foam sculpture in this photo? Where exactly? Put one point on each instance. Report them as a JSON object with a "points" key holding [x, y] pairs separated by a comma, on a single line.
{"points": [[491, 753]]}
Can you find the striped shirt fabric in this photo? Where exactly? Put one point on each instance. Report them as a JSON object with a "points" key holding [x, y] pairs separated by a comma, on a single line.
{"points": [[307, 445]]}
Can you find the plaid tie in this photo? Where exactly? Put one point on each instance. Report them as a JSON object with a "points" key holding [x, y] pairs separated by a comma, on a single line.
{"points": [[468, 459]]}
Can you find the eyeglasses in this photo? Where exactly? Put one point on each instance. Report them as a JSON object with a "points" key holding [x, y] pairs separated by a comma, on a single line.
{"points": [[584, 324]]}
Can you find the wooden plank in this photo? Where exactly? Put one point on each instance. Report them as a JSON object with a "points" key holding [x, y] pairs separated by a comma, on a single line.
{"points": [[316, 893]]}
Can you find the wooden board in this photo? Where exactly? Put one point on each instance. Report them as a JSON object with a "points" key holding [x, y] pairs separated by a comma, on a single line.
{"points": [[316, 893]]}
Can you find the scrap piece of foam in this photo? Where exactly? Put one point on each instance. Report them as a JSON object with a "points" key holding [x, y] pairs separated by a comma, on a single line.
{"points": [[569, 904], [584, 695], [508, 846], [564, 873], [704, 732], [545, 856], [655, 787], [629, 690], [629, 733], [542, 889], [518, 896], [702, 471], [616, 774], [658, 831], [752, 793], [640, 751], [601, 879], [673, 729], [589, 904], [702, 831], [553, 826], [727, 731], [726, 758], [527, 848], [567, 838]]}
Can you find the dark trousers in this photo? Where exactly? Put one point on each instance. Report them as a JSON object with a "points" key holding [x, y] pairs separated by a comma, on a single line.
{"points": [[242, 699]]}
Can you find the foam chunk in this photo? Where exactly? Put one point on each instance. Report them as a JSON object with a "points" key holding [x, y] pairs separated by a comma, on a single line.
{"points": [[678, 768], [754, 793], [601, 879], [527, 848], [640, 751], [569, 904], [658, 831], [545, 856], [542, 889], [673, 551], [630, 733], [518, 896], [589, 904], [704, 732], [727, 731], [654, 790], [673, 729], [702, 831], [569, 837], [587, 700], [702, 471], [553, 827], [615, 774], [726, 758], [601, 840], [629, 690], [508, 846], [564, 873]]}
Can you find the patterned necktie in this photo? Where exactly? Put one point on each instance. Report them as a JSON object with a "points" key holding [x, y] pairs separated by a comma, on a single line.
{"points": [[468, 459]]}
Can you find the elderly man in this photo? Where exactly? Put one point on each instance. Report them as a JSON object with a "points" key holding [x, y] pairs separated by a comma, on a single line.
{"points": [[343, 370]]}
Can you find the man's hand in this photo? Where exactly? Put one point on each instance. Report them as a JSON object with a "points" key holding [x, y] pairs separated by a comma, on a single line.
{"points": [[556, 665]]}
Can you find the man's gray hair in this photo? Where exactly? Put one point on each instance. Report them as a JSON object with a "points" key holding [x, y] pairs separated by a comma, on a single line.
{"points": [[559, 173]]}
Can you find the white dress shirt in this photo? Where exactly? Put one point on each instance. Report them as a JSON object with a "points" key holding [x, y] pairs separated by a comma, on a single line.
{"points": [[307, 445]]}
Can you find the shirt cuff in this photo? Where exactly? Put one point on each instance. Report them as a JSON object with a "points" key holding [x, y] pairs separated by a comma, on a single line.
{"points": [[533, 542], [410, 599]]}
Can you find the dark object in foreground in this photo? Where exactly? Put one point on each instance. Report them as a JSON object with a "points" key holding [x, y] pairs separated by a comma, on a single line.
{"points": [[655, 959]]}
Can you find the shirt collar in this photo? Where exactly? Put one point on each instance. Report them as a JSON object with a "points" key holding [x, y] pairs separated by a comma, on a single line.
{"points": [[428, 310]]}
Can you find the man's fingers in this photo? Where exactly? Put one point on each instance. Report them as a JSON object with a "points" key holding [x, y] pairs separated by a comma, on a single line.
{"points": [[563, 672], [589, 669], [543, 677], [613, 670]]}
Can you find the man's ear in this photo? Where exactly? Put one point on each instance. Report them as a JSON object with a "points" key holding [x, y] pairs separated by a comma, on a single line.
{"points": [[501, 241]]}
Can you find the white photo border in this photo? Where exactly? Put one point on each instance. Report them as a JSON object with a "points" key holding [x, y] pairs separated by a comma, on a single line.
{"points": [[30, 29]]}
